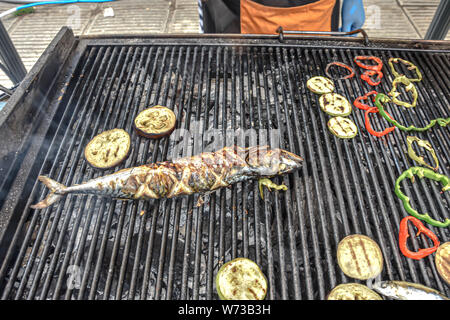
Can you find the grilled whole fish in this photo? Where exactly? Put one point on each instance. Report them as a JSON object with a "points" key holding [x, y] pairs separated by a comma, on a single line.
{"points": [[205, 172], [402, 290]]}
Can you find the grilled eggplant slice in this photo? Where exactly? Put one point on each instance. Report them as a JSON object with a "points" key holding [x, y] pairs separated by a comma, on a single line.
{"points": [[353, 291], [320, 85], [343, 128], [359, 257], [155, 122], [241, 279], [335, 105], [108, 149], [442, 261]]}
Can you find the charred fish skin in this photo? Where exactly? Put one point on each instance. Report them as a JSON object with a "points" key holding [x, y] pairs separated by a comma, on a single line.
{"points": [[402, 290], [201, 173]]}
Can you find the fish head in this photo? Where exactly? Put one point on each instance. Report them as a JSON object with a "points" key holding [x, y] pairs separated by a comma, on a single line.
{"points": [[271, 162]]}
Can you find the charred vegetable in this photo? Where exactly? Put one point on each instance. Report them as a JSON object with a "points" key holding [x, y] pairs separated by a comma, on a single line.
{"points": [[381, 98], [359, 101], [155, 122], [372, 69], [108, 149], [320, 85], [442, 261], [375, 67], [342, 65], [335, 105], [353, 291], [410, 66], [205, 172], [422, 173], [369, 127], [427, 146], [343, 128], [368, 77], [409, 87], [241, 279], [404, 234], [359, 257]]}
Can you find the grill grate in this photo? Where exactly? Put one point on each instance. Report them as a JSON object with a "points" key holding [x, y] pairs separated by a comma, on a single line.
{"points": [[89, 247]]}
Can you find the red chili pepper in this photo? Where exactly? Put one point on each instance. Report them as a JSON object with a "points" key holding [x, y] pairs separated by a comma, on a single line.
{"points": [[369, 127], [404, 234], [364, 106], [367, 76], [377, 67], [340, 64]]}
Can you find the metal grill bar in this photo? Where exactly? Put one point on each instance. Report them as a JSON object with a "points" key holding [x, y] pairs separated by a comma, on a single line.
{"points": [[174, 250]]}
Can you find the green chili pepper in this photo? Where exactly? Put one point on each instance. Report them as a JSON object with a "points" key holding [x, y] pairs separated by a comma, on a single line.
{"points": [[382, 98], [410, 66], [409, 86], [427, 146], [427, 173]]}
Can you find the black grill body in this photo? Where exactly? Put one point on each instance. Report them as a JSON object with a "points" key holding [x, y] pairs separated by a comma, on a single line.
{"points": [[89, 247]]}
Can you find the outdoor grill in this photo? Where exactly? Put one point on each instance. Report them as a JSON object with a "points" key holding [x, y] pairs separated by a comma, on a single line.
{"points": [[90, 247]]}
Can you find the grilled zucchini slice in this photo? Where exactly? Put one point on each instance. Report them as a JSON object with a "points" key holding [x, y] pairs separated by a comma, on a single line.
{"points": [[241, 279], [155, 122], [335, 105], [108, 149], [320, 85], [442, 261], [353, 291], [343, 128], [359, 257]]}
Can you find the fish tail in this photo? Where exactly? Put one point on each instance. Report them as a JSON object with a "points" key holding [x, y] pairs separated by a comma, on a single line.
{"points": [[57, 191]]}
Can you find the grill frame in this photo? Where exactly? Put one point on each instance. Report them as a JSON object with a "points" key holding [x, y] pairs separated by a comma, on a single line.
{"points": [[70, 51]]}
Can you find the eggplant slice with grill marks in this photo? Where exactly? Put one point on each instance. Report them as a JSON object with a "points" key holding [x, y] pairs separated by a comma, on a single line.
{"points": [[359, 257], [155, 122], [442, 261], [108, 149], [353, 291], [343, 128], [241, 279], [320, 85], [335, 105]]}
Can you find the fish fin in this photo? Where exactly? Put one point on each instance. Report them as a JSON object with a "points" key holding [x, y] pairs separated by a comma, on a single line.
{"points": [[52, 184], [57, 190], [48, 201]]}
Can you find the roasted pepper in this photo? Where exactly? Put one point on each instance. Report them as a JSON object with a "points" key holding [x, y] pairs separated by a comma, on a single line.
{"points": [[427, 173], [369, 127], [409, 86], [382, 98], [410, 66], [404, 234], [377, 67], [367, 76], [358, 101], [340, 64], [427, 146]]}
